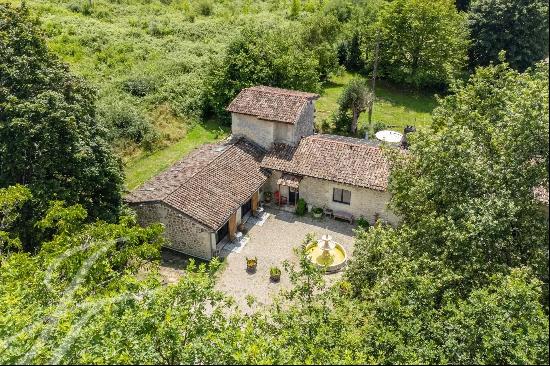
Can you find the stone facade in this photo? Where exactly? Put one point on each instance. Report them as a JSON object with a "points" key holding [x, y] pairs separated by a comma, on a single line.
{"points": [[182, 233], [265, 133], [305, 124], [318, 192]]}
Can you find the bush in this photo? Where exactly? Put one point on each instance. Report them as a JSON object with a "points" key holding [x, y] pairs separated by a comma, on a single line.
{"points": [[139, 86], [378, 126], [205, 7], [341, 121], [301, 207], [362, 223], [124, 121], [262, 55]]}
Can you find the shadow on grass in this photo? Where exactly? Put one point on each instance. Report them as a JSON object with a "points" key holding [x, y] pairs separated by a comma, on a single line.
{"points": [[410, 99]]}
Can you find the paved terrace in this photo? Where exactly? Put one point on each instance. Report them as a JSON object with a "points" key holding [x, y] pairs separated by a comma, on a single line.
{"points": [[272, 242]]}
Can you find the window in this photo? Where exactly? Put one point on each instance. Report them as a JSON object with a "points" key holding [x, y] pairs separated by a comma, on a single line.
{"points": [[341, 195]]}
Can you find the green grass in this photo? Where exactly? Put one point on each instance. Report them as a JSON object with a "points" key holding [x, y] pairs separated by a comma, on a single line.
{"points": [[142, 168], [394, 106]]}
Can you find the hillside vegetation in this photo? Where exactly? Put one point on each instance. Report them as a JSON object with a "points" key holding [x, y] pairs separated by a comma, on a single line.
{"points": [[154, 64]]}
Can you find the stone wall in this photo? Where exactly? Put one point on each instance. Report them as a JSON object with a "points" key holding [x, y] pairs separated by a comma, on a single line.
{"points": [[304, 126], [265, 133], [182, 233], [259, 131], [364, 202]]}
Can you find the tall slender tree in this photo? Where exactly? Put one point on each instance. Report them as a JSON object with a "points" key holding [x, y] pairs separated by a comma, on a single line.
{"points": [[49, 136]]}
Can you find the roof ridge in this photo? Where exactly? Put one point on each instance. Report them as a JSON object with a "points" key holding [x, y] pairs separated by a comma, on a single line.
{"points": [[283, 91], [321, 136]]}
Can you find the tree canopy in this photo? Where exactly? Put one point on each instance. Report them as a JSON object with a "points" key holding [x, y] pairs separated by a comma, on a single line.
{"points": [[423, 43], [263, 54], [49, 137], [519, 27]]}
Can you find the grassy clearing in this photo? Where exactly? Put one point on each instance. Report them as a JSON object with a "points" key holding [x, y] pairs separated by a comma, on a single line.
{"points": [[395, 107], [141, 168]]}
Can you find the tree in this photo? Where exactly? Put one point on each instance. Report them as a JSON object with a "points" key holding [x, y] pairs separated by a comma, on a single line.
{"points": [[12, 200], [320, 32], [465, 191], [422, 43], [356, 97], [49, 138], [520, 27], [270, 55]]}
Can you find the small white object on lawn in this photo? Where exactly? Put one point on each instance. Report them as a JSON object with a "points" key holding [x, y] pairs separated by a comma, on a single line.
{"points": [[389, 136]]}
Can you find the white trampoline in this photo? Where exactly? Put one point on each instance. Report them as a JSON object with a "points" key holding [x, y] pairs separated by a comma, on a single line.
{"points": [[392, 137]]}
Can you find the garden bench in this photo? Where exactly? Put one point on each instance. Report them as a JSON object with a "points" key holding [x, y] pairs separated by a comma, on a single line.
{"points": [[343, 215]]}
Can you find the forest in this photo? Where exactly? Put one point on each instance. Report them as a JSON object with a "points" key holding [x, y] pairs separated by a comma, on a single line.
{"points": [[97, 96]]}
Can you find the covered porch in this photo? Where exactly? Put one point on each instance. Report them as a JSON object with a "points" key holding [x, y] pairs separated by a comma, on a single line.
{"points": [[288, 192]]}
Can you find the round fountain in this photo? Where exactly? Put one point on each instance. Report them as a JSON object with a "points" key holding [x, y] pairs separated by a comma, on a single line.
{"points": [[325, 253]]}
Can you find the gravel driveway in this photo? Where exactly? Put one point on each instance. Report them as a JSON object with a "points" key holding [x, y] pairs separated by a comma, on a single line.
{"points": [[272, 243]]}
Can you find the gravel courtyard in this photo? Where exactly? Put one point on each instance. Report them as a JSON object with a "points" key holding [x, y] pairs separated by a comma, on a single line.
{"points": [[272, 243]]}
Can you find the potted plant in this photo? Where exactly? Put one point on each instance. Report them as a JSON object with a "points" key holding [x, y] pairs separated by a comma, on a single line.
{"points": [[268, 196], [251, 264], [275, 274], [317, 212], [240, 227]]}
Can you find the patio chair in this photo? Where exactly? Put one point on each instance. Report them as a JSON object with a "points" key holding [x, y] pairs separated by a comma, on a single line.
{"points": [[281, 200]]}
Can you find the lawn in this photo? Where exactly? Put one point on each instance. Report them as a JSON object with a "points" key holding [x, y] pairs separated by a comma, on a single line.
{"points": [[143, 167], [394, 106]]}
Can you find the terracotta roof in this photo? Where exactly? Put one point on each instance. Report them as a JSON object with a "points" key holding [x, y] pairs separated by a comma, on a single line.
{"points": [[272, 104], [335, 158], [541, 194], [209, 184]]}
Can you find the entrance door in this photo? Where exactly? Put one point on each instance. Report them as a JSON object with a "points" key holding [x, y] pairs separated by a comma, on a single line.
{"points": [[246, 207], [222, 232], [293, 196]]}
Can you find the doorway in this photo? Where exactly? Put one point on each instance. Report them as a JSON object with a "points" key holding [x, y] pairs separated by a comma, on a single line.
{"points": [[293, 196]]}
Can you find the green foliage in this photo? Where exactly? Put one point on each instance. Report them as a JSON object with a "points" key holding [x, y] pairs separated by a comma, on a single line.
{"points": [[356, 98], [362, 223], [49, 138], [295, 9], [12, 200], [422, 43], [466, 192], [262, 55], [204, 7], [320, 32], [301, 207], [519, 27], [125, 122], [317, 210]]}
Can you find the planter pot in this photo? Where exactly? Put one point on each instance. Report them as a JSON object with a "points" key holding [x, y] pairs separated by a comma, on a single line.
{"points": [[275, 278], [317, 215]]}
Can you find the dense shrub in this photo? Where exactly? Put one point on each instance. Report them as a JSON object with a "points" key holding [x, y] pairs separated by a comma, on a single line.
{"points": [[204, 7], [301, 207], [125, 121], [139, 86]]}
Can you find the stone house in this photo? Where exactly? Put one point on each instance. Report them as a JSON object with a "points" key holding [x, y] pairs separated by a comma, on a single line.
{"points": [[202, 198]]}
